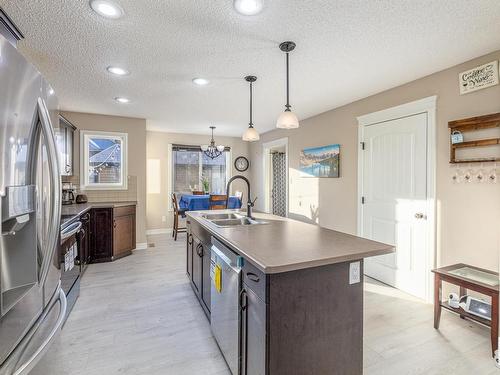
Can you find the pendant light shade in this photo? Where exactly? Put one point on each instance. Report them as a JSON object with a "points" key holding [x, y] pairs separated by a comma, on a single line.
{"points": [[251, 135], [288, 119]]}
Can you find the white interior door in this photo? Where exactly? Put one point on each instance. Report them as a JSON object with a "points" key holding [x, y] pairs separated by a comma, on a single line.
{"points": [[394, 188]]}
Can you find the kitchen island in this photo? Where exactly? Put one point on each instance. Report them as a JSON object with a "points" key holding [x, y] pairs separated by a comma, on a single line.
{"points": [[300, 293]]}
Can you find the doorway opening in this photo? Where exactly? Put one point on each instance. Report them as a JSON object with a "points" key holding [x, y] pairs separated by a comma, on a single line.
{"points": [[276, 177]]}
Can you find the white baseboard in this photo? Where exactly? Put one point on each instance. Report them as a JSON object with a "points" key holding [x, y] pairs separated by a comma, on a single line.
{"points": [[141, 245], [158, 231]]}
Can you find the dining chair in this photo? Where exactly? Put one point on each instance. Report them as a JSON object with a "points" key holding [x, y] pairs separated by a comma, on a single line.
{"points": [[177, 213], [217, 202]]}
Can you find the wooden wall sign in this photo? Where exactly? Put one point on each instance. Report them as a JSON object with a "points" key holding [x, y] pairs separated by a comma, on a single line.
{"points": [[479, 78]]}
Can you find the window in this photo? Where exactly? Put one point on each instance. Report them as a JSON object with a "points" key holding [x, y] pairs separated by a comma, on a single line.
{"points": [[104, 160], [190, 165]]}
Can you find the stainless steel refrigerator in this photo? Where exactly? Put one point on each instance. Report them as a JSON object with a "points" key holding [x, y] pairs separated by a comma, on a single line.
{"points": [[32, 304]]}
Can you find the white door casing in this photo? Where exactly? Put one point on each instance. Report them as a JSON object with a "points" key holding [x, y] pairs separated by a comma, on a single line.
{"points": [[396, 184], [266, 154]]}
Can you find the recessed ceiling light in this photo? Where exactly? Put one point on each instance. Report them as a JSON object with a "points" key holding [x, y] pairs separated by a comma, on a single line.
{"points": [[248, 7], [201, 81], [117, 70], [121, 99], [107, 8]]}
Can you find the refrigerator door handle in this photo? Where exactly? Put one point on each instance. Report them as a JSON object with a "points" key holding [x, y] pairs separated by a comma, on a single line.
{"points": [[55, 186]]}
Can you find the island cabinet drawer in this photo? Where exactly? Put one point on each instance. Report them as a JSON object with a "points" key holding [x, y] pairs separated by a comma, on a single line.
{"points": [[254, 279]]}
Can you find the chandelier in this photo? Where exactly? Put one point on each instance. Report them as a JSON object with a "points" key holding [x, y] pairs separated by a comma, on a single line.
{"points": [[211, 150]]}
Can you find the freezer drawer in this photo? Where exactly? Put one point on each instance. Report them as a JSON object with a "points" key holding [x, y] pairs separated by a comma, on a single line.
{"points": [[38, 339]]}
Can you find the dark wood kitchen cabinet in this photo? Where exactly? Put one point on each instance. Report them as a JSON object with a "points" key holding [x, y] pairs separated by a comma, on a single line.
{"points": [[205, 292], [123, 231], [198, 263], [85, 240], [101, 235], [112, 233], [253, 333], [64, 138], [189, 253]]}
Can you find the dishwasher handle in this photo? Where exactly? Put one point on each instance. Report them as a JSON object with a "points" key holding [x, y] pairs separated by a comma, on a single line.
{"points": [[236, 261], [243, 331]]}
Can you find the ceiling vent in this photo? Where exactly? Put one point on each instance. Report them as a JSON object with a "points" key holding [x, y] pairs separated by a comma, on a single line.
{"points": [[9, 29]]}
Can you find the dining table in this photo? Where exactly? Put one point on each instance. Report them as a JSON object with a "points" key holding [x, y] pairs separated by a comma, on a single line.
{"points": [[190, 202]]}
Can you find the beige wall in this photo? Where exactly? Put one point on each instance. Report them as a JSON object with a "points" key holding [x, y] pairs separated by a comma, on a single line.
{"points": [[468, 215], [157, 149], [136, 130]]}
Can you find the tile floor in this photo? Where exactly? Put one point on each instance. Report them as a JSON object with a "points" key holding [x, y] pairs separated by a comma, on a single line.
{"points": [[138, 315]]}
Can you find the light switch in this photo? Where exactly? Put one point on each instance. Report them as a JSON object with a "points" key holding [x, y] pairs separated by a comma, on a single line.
{"points": [[354, 272]]}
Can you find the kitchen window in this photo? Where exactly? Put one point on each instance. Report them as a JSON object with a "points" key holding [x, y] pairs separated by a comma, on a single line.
{"points": [[104, 160], [190, 165]]}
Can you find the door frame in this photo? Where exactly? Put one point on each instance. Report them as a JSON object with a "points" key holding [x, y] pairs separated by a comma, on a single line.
{"points": [[427, 106], [266, 150]]}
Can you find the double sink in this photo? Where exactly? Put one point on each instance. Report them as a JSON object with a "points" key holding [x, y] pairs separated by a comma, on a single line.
{"points": [[227, 220]]}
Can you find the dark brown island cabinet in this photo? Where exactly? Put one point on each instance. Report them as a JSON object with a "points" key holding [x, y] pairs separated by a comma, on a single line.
{"points": [[198, 263], [112, 233], [306, 321]]}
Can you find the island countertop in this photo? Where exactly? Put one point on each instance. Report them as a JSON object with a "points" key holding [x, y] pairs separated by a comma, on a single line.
{"points": [[284, 244]]}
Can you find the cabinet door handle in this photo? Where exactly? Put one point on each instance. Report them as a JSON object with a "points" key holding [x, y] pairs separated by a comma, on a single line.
{"points": [[199, 250], [114, 223], [190, 239], [243, 300], [252, 276]]}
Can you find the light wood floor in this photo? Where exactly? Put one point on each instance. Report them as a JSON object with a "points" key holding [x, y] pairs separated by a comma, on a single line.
{"points": [[138, 315]]}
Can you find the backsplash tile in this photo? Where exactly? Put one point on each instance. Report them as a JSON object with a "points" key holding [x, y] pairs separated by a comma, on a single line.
{"points": [[106, 195]]}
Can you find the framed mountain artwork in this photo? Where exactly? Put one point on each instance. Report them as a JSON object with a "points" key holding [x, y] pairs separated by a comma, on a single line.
{"points": [[321, 161]]}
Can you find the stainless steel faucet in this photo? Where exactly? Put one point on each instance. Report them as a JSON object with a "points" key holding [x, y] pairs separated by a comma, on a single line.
{"points": [[250, 203]]}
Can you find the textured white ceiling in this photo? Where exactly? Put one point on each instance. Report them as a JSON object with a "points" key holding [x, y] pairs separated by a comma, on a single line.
{"points": [[346, 50]]}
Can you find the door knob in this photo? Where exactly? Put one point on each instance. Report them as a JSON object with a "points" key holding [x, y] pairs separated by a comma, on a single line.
{"points": [[419, 215]]}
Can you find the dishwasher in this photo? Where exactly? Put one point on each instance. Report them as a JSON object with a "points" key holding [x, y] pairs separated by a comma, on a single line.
{"points": [[225, 275]]}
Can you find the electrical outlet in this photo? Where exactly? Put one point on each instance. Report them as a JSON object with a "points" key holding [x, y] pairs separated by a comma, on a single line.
{"points": [[164, 219], [354, 272]]}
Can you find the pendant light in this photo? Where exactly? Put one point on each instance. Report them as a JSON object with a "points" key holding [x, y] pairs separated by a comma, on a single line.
{"points": [[251, 135], [288, 119], [211, 150]]}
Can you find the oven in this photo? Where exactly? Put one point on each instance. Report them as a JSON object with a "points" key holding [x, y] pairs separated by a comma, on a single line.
{"points": [[70, 264]]}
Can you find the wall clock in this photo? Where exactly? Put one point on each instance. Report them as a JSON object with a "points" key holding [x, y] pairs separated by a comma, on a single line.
{"points": [[241, 164]]}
